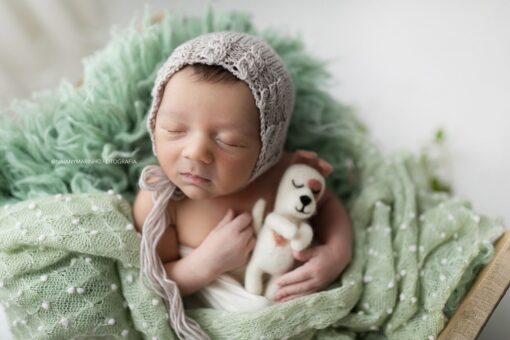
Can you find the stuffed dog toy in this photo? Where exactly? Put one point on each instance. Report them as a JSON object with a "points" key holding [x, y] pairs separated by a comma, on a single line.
{"points": [[285, 229]]}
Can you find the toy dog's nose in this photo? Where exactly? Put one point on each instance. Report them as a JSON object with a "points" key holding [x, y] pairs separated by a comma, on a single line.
{"points": [[305, 200]]}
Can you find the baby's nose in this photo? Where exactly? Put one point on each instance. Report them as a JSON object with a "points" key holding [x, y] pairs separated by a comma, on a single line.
{"points": [[198, 151], [305, 200]]}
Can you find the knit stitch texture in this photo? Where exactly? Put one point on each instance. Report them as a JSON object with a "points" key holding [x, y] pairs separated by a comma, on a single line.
{"points": [[69, 263]]}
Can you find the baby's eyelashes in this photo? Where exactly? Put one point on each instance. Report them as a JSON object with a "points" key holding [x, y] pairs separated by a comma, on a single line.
{"points": [[174, 132], [230, 144]]}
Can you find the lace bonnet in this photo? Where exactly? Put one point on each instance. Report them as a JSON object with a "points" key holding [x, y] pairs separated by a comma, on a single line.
{"points": [[251, 60]]}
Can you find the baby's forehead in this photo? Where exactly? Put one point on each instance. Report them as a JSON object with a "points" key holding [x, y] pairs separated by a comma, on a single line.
{"points": [[223, 100]]}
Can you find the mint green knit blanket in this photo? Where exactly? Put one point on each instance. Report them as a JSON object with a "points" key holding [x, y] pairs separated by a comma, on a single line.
{"points": [[69, 256]]}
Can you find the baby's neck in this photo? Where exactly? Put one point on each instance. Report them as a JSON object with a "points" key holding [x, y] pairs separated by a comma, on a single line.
{"points": [[194, 219]]}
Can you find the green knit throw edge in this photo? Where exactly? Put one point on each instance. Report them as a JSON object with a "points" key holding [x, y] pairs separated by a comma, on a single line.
{"points": [[416, 251]]}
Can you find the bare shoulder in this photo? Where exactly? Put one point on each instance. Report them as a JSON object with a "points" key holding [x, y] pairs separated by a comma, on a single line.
{"points": [[141, 208], [143, 205], [167, 247]]}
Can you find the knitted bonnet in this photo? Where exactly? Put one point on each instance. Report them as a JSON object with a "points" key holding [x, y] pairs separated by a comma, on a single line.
{"points": [[253, 61]]}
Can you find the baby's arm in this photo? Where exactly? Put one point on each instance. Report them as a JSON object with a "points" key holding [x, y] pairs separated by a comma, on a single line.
{"points": [[167, 247], [189, 273], [333, 227], [324, 262], [226, 247], [183, 271]]}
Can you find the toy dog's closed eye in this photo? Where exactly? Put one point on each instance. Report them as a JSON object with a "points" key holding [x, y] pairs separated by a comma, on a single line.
{"points": [[314, 188], [297, 186]]}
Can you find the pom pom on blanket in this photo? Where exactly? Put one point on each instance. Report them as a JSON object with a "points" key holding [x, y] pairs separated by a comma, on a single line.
{"points": [[71, 267], [415, 253]]}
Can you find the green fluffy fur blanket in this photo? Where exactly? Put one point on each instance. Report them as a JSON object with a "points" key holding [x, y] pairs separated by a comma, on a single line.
{"points": [[69, 257]]}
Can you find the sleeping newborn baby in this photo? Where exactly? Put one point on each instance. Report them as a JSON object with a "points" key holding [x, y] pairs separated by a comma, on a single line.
{"points": [[221, 107]]}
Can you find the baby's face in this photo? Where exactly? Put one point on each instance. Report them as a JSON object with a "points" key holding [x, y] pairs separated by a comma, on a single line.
{"points": [[209, 130]]}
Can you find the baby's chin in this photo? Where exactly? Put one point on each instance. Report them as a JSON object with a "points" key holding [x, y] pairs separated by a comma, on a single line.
{"points": [[196, 193], [199, 193]]}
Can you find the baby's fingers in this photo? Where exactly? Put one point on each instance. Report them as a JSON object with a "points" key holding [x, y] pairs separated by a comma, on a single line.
{"points": [[312, 159], [325, 168], [249, 240], [241, 222], [294, 289], [227, 218], [292, 297], [297, 275], [252, 243], [305, 154]]}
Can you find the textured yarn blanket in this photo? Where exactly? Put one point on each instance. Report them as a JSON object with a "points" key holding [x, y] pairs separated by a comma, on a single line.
{"points": [[69, 255]]}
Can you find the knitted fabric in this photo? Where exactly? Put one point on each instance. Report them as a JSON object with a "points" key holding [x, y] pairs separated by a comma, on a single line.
{"points": [[416, 250], [70, 267]]}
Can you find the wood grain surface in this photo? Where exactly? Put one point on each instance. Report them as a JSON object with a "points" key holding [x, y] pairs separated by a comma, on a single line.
{"points": [[488, 289]]}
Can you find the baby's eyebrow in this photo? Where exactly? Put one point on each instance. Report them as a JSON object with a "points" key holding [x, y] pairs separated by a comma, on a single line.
{"points": [[173, 114], [234, 126]]}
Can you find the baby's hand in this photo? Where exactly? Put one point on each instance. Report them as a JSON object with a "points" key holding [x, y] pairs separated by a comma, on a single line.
{"points": [[228, 245], [322, 266], [312, 159]]}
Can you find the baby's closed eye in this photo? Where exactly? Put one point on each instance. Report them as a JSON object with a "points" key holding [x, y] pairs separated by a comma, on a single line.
{"points": [[231, 143]]}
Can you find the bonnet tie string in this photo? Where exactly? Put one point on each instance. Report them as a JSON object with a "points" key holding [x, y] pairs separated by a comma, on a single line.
{"points": [[154, 179]]}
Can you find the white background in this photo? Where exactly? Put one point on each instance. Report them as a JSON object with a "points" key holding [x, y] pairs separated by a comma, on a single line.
{"points": [[407, 67]]}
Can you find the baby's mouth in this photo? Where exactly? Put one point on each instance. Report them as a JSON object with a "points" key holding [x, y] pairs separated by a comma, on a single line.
{"points": [[194, 179]]}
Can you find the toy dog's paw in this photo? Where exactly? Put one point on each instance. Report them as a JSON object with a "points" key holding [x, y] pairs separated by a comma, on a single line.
{"points": [[253, 287], [297, 245], [253, 280], [271, 289], [303, 238], [289, 233]]}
